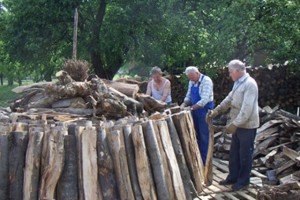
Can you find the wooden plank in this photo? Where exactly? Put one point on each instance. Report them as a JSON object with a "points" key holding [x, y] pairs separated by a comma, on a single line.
{"points": [[173, 167], [32, 164], [292, 154], [142, 164], [52, 161], [155, 160], [67, 188], [122, 173], [107, 177], [246, 196], [4, 157], [208, 173], [17, 152], [185, 174]]}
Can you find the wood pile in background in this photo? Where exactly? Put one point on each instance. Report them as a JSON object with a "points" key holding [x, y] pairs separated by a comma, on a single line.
{"points": [[58, 156], [277, 146]]}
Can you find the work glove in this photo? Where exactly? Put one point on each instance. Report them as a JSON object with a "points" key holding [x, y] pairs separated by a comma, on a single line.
{"points": [[211, 114], [230, 128], [183, 105]]}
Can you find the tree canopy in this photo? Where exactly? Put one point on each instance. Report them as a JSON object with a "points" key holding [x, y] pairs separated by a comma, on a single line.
{"points": [[36, 35]]}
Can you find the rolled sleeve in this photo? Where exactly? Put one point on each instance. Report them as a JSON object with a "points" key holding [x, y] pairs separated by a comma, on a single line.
{"points": [[188, 94]]}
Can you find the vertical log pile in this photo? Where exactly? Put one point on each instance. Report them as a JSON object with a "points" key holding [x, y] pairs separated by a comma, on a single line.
{"points": [[133, 159]]}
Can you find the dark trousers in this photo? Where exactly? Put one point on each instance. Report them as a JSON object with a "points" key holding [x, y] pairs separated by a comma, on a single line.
{"points": [[240, 156]]}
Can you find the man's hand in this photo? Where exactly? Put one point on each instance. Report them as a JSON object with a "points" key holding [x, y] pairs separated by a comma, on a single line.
{"points": [[231, 128], [183, 105]]}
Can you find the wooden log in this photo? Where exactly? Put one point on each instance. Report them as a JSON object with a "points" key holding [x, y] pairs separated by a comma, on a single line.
{"points": [[127, 130], [17, 152], [117, 149], [129, 90], [288, 191], [68, 183], [4, 155], [163, 155], [155, 160], [142, 164], [177, 183], [208, 171], [107, 178], [185, 128], [185, 174], [150, 104], [52, 161], [87, 167], [33, 164]]}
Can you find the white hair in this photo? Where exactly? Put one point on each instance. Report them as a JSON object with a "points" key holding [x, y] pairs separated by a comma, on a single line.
{"points": [[237, 64], [191, 69]]}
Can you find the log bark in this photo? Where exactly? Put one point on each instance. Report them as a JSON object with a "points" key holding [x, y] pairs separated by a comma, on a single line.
{"points": [[127, 130], [142, 164], [17, 153], [117, 149], [208, 171], [185, 174], [185, 128], [4, 155], [33, 164], [150, 104], [52, 161], [155, 160], [288, 191], [177, 183], [68, 183], [107, 178], [87, 168]]}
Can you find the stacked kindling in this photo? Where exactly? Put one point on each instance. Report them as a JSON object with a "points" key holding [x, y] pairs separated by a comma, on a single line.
{"points": [[135, 159]]}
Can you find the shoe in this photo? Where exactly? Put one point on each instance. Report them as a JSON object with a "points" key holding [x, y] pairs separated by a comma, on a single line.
{"points": [[236, 187], [226, 182]]}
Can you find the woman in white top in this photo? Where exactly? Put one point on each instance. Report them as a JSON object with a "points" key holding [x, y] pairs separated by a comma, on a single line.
{"points": [[159, 87]]}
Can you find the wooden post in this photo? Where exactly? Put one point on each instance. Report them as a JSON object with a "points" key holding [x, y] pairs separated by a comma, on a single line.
{"points": [[184, 124], [17, 152], [4, 154], [68, 183], [185, 174], [33, 163], [142, 164], [155, 160], [173, 168], [75, 34], [107, 178], [117, 149], [87, 168], [127, 130], [208, 172], [52, 161]]}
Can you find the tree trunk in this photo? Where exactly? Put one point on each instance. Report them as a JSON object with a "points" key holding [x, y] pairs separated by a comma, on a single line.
{"points": [[4, 155], [106, 172], [68, 183], [142, 164], [32, 165]]}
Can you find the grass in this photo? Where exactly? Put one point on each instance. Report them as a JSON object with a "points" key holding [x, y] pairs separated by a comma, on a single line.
{"points": [[7, 95]]}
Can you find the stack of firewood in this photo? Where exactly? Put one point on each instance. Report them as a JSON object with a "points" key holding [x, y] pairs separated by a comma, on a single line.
{"points": [[58, 156], [277, 146]]}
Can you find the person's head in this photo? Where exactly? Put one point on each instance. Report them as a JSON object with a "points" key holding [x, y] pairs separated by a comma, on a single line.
{"points": [[236, 69], [192, 73], [156, 74]]}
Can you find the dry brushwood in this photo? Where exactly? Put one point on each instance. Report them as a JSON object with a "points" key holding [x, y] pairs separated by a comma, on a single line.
{"points": [[77, 69]]}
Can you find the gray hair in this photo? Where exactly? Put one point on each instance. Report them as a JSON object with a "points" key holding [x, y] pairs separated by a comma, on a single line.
{"points": [[191, 69], [155, 70], [237, 64]]}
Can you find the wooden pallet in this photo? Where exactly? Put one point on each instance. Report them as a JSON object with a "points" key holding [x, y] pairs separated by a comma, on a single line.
{"points": [[220, 192]]}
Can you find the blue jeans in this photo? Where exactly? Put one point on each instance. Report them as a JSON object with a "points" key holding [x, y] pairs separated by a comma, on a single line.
{"points": [[240, 156]]}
